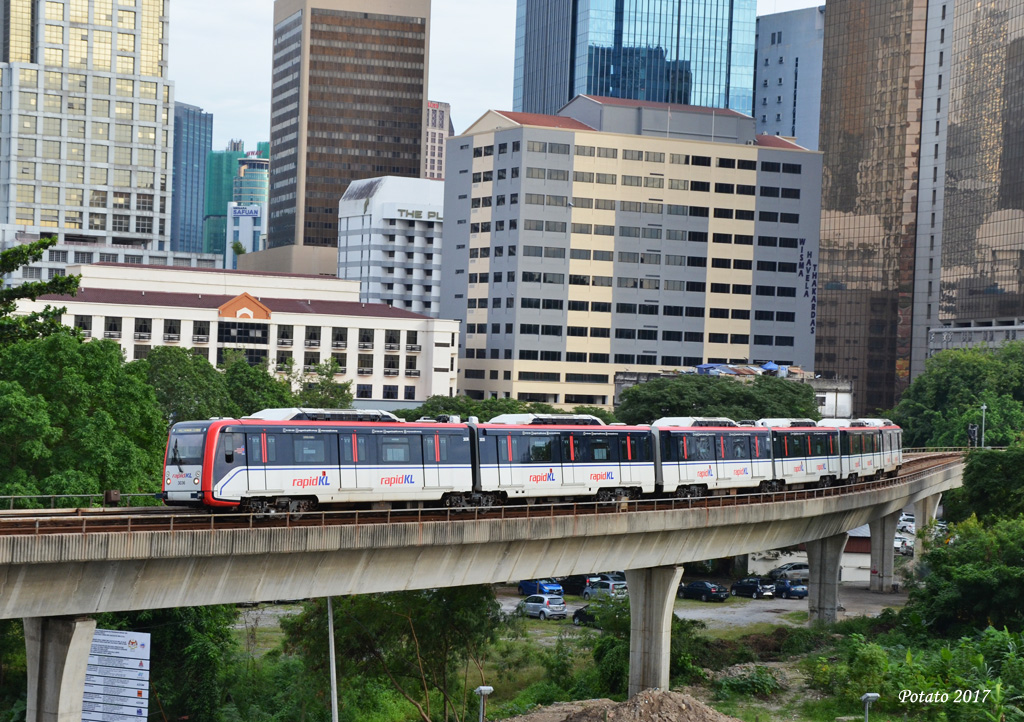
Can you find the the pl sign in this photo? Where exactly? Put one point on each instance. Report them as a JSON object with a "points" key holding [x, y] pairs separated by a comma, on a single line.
{"points": [[117, 678]]}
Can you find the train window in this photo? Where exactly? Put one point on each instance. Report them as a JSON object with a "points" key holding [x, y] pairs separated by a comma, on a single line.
{"points": [[734, 447], [702, 448], [819, 445], [853, 445], [254, 450], [277, 450], [232, 449], [347, 449], [186, 448], [642, 447], [435, 448], [395, 450], [600, 449], [761, 446], [793, 445], [540, 448], [310, 449]]}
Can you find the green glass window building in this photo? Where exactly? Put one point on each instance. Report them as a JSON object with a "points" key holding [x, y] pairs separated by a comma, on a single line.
{"points": [[691, 52]]}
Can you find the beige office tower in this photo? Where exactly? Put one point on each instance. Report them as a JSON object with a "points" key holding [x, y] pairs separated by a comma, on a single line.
{"points": [[625, 237], [87, 118], [348, 98]]}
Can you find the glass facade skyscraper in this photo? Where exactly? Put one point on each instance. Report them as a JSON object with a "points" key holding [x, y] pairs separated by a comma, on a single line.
{"points": [[193, 140], [692, 52], [221, 168], [871, 109]]}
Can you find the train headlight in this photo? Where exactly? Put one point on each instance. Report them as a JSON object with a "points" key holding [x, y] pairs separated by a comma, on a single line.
{"points": [[195, 479], [167, 481]]}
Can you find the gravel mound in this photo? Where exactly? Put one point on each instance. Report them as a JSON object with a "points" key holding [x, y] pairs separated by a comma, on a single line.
{"points": [[648, 706]]}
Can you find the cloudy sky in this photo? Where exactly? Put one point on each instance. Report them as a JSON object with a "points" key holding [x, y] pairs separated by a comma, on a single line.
{"points": [[220, 55]]}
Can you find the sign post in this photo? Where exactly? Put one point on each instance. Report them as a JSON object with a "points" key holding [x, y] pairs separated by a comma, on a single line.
{"points": [[117, 678]]}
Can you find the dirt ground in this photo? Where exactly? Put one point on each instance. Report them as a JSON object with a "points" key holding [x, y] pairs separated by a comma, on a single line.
{"points": [[648, 706]]}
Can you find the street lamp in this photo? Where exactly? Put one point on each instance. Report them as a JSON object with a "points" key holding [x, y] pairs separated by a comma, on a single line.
{"points": [[867, 699], [483, 691], [983, 407]]}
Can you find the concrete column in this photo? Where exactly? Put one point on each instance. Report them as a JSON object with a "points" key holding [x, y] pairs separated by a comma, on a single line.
{"points": [[883, 535], [57, 650], [824, 557], [652, 596], [924, 514]]}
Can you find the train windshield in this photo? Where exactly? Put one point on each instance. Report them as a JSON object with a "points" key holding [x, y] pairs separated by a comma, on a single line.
{"points": [[185, 446]]}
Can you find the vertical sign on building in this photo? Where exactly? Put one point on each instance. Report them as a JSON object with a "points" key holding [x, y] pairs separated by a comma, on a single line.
{"points": [[117, 678]]}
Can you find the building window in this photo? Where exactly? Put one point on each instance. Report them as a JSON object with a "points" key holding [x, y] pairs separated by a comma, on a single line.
{"points": [[364, 391]]}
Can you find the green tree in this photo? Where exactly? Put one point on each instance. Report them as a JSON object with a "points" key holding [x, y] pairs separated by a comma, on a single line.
{"points": [[320, 390], [939, 404], [975, 578], [76, 421], [37, 324], [697, 395], [993, 486], [253, 388], [187, 386], [430, 645]]}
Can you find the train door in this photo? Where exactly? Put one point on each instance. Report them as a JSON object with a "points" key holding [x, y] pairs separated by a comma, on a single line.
{"points": [[602, 468], [632, 456], [435, 451], [508, 447], [256, 460], [761, 455], [574, 468], [733, 451], [818, 462], [355, 462], [230, 473]]}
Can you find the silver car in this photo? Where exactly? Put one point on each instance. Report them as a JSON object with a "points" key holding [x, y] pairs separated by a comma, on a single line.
{"points": [[544, 606], [601, 588]]}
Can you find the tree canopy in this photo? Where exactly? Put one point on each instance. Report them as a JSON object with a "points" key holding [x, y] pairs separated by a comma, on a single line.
{"points": [[940, 403], [34, 325], [73, 420], [697, 395]]}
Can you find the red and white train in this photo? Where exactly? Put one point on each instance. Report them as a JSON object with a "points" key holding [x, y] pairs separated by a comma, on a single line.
{"points": [[299, 459]]}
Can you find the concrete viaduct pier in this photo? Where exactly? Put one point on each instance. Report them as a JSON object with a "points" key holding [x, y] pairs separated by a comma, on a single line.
{"points": [[68, 576]]}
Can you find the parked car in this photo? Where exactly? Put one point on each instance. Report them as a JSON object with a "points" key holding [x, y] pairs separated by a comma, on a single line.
{"points": [[704, 591], [576, 583], [788, 589], [906, 526], [544, 606], [899, 540], [907, 547], [540, 586], [603, 588], [797, 571], [611, 576], [583, 616], [753, 587]]}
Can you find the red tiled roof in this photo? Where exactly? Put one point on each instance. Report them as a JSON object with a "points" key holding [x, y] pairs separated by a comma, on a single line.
{"points": [[652, 104], [547, 121], [196, 269], [208, 301], [775, 141]]}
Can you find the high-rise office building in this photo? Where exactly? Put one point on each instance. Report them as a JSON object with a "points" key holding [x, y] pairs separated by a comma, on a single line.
{"points": [[694, 52], [618, 236], [437, 128], [252, 177], [389, 239], [88, 124], [349, 81], [787, 74], [871, 104], [221, 170], [193, 139]]}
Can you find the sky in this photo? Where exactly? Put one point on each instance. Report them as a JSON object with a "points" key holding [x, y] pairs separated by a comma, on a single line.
{"points": [[220, 59]]}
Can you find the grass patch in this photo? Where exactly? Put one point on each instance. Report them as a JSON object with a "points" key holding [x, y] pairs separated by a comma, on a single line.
{"points": [[735, 633], [799, 617]]}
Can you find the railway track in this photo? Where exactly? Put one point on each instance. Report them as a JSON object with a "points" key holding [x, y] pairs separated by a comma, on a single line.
{"points": [[95, 520]]}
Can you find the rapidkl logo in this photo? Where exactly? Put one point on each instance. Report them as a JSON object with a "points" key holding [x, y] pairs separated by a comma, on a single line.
{"points": [[603, 476], [396, 480], [538, 478], [820, 467], [709, 474], [312, 481], [741, 472], [798, 467]]}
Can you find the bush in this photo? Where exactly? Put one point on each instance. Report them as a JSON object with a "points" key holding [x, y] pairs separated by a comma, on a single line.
{"points": [[759, 682], [611, 655]]}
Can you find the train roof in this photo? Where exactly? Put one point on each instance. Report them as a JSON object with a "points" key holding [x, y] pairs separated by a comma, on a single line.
{"points": [[694, 421], [547, 420], [310, 414]]}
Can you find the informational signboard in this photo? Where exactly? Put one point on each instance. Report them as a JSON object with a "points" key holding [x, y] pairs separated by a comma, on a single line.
{"points": [[117, 678]]}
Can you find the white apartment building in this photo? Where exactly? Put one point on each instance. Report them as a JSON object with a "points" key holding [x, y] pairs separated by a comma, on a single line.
{"points": [[393, 357], [247, 226], [389, 239], [87, 116]]}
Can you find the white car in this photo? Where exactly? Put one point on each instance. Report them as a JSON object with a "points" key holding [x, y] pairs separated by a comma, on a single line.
{"points": [[900, 540], [906, 526]]}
